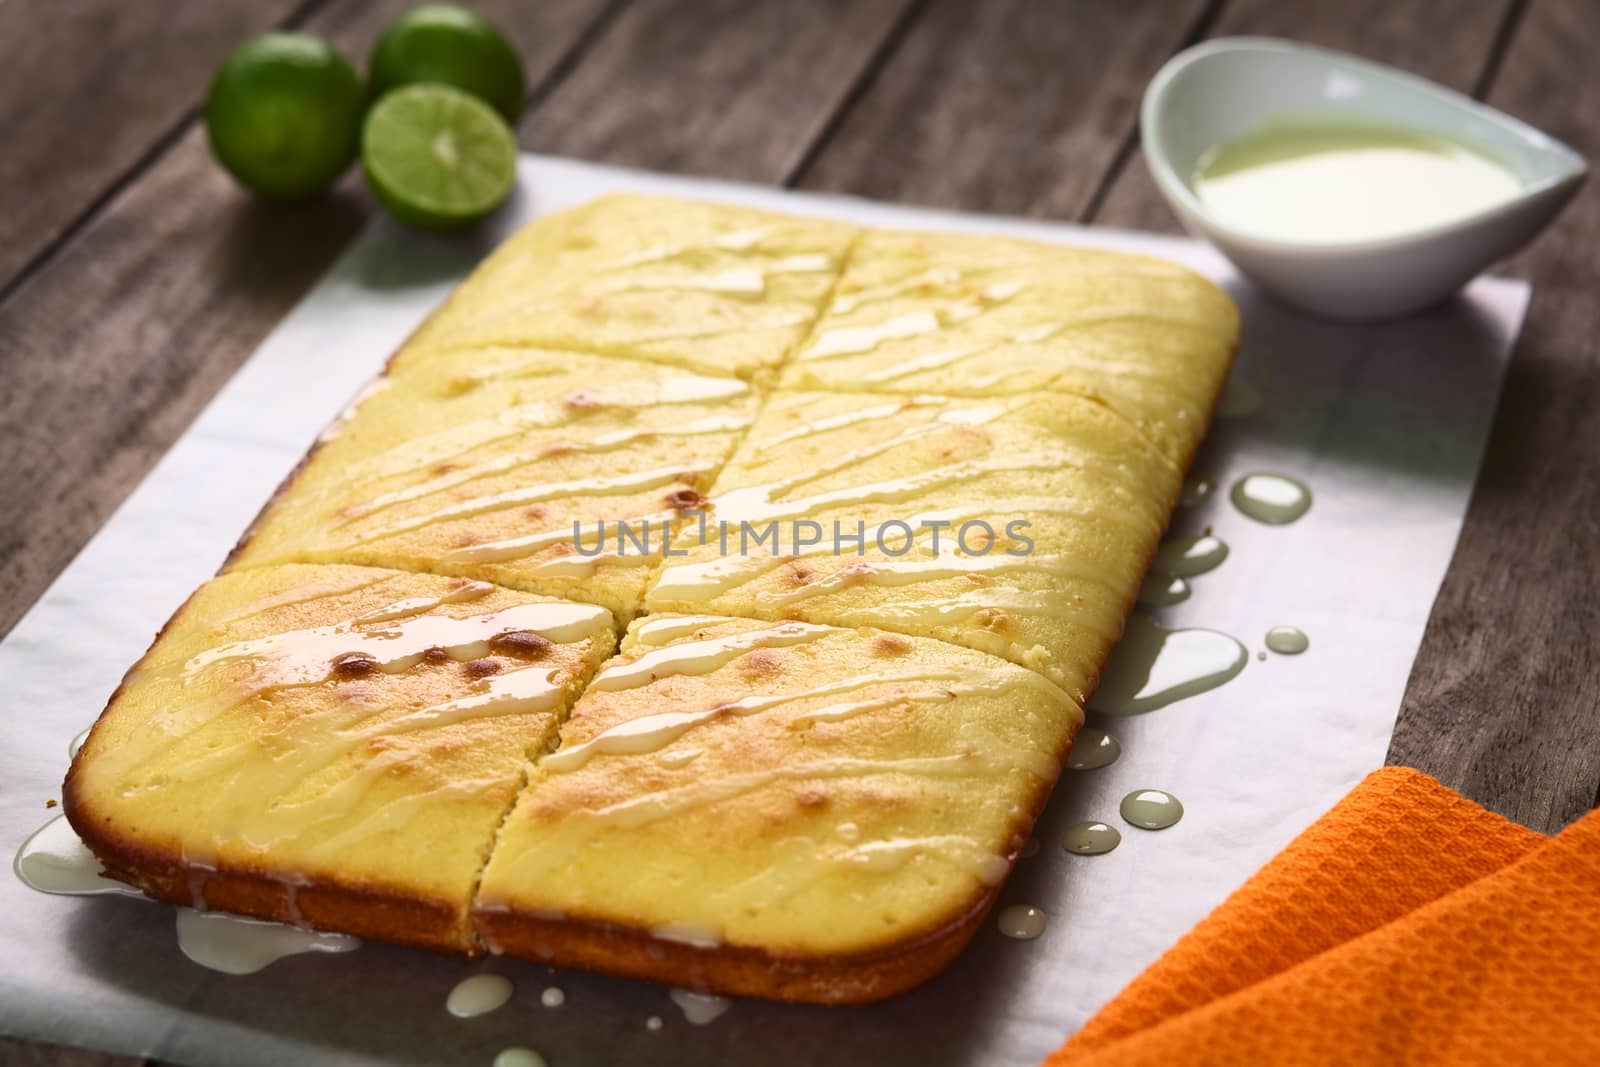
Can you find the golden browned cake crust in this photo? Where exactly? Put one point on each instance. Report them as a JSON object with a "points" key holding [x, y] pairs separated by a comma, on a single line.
{"points": [[990, 316], [808, 771], [712, 287], [783, 809], [329, 744], [483, 465], [1019, 525]]}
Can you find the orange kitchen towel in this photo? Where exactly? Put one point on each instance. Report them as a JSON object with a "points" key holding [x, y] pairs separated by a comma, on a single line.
{"points": [[1407, 925]]}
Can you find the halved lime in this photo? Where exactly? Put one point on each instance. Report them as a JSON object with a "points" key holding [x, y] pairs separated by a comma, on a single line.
{"points": [[437, 157], [449, 45], [284, 114]]}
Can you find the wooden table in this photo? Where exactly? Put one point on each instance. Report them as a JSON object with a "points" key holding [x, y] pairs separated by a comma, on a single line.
{"points": [[135, 277]]}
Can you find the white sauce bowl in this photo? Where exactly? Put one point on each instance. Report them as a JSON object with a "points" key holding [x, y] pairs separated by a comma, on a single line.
{"points": [[1224, 89]]}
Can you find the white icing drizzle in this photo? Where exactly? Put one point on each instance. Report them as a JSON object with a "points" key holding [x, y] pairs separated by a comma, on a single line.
{"points": [[702, 657], [688, 934], [235, 945], [700, 1008], [1021, 921], [478, 995], [55, 860]]}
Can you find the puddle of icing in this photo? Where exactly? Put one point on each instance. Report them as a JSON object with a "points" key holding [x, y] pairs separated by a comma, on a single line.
{"points": [[1185, 557], [1160, 591], [1151, 809], [1196, 491], [1152, 666], [553, 997], [478, 995], [1287, 640], [235, 945], [1275, 499], [1239, 398], [54, 860], [1091, 838], [1024, 922], [520, 1056], [699, 1008], [1093, 749]]}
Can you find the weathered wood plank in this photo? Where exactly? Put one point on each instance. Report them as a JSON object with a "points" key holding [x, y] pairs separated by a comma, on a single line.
{"points": [[1448, 42], [87, 89], [718, 87], [16, 1053], [1014, 106], [1504, 700], [113, 346]]}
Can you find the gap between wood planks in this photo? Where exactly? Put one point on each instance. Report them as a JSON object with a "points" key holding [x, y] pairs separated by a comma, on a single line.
{"points": [[143, 163]]}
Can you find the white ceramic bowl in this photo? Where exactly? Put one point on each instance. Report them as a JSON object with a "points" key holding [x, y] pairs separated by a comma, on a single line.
{"points": [[1226, 88]]}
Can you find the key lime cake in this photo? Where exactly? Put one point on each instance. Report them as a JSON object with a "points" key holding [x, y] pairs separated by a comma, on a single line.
{"points": [[911, 483], [331, 745], [988, 316], [483, 466], [797, 811], [711, 287], [1018, 525]]}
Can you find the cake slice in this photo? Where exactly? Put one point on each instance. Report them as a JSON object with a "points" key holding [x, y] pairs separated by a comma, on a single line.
{"points": [[989, 316], [512, 465], [777, 809], [1019, 525], [712, 287], [330, 746]]}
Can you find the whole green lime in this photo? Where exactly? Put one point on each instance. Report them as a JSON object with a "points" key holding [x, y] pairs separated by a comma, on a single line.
{"points": [[437, 157], [449, 45], [284, 114]]}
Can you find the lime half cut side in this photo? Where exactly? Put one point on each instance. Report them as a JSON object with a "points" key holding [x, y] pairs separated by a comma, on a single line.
{"points": [[437, 157]]}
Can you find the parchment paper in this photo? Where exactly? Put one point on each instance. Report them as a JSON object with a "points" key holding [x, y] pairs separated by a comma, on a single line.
{"points": [[1385, 423]]}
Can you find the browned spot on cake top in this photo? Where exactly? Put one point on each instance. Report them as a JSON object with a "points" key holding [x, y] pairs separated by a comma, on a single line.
{"points": [[520, 644], [890, 645], [761, 661], [684, 500], [353, 665]]}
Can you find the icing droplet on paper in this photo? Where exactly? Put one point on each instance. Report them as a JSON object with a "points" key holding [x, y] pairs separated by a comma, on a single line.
{"points": [[1093, 749], [232, 944], [1024, 922], [54, 860], [1091, 838], [1151, 809], [1152, 667], [1275, 499], [700, 1008], [1287, 640]]}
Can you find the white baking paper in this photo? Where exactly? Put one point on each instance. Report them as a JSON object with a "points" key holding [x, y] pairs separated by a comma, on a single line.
{"points": [[1385, 423]]}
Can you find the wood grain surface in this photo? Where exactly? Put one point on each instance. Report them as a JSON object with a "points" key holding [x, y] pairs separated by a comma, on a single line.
{"points": [[111, 347], [135, 278], [1017, 107], [1504, 700], [65, 148], [721, 87]]}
